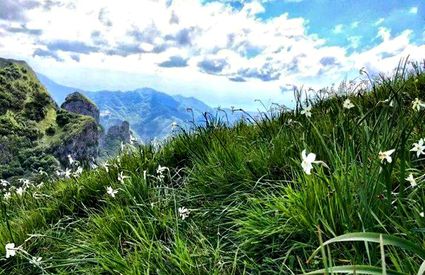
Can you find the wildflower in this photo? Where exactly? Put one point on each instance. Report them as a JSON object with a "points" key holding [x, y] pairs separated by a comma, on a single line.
{"points": [[417, 104], [78, 172], [20, 191], [348, 104], [121, 177], [308, 160], [422, 214], [7, 195], [306, 111], [411, 180], [106, 166], [70, 160], [25, 182], [35, 261], [4, 183], [386, 156], [160, 171], [419, 147], [183, 212], [59, 173], [111, 191], [10, 250], [67, 173]]}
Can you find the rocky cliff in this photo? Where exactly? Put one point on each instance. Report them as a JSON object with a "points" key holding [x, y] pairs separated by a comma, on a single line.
{"points": [[34, 132]]}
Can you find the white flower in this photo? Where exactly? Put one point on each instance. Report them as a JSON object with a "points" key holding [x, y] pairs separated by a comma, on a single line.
{"points": [[183, 212], [106, 166], [67, 173], [20, 191], [386, 156], [422, 214], [111, 191], [160, 171], [348, 104], [419, 147], [122, 145], [417, 104], [306, 111], [121, 177], [174, 125], [7, 195], [308, 160], [5, 183], [70, 160], [25, 182], [59, 173], [35, 261], [78, 172], [10, 250], [411, 180]]}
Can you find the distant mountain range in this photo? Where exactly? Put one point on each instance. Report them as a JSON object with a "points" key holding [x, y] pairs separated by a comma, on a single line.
{"points": [[149, 112]]}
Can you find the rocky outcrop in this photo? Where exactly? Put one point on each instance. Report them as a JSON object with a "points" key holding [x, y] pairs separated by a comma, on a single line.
{"points": [[119, 132], [79, 104], [82, 145]]}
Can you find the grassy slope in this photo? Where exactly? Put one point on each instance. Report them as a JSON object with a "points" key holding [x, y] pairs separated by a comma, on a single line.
{"points": [[252, 207]]}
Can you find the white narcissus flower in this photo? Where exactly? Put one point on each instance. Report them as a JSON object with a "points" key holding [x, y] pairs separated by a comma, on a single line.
{"points": [[306, 111], [308, 160], [78, 172], [183, 213], [111, 191], [348, 104], [386, 156], [417, 104], [36, 261], [419, 147], [70, 160], [7, 195], [121, 177], [67, 173], [411, 180], [4, 183], [10, 250], [106, 166], [20, 191]]}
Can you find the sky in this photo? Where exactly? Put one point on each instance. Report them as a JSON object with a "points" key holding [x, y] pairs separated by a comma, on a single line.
{"points": [[224, 52]]}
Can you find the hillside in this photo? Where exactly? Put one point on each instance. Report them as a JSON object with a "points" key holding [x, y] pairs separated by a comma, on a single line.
{"points": [[149, 112], [36, 135], [249, 199]]}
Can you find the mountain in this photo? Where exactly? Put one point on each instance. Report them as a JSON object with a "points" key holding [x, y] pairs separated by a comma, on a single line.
{"points": [[34, 132], [149, 112], [58, 92]]}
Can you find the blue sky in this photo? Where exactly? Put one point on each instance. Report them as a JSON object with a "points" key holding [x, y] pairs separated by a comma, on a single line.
{"points": [[223, 52]]}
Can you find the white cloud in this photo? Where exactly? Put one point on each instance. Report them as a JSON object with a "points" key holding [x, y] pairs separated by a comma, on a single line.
{"points": [[413, 10], [188, 47], [338, 28], [379, 21]]}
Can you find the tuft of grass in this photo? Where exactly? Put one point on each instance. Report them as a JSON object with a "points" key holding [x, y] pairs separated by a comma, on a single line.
{"points": [[251, 206]]}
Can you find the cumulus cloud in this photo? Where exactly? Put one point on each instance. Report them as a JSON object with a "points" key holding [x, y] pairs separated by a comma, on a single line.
{"points": [[174, 61], [203, 41]]}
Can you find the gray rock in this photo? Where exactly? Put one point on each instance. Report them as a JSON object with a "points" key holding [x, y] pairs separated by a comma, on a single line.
{"points": [[79, 104]]}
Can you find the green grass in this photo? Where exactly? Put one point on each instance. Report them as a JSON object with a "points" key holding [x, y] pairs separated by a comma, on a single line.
{"points": [[252, 207]]}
